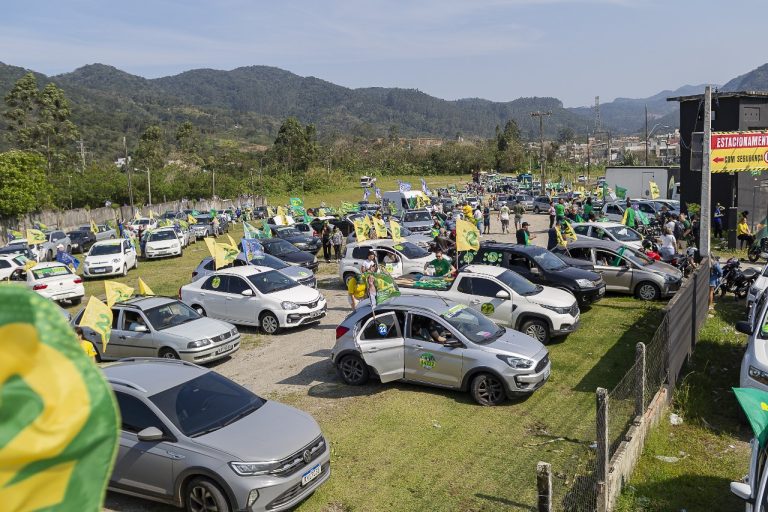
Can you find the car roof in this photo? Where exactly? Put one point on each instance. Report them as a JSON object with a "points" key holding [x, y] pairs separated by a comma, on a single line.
{"points": [[525, 249], [244, 270], [164, 228], [387, 242], [113, 241], [585, 241], [419, 302], [144, 303], [604, 224], [150, 376], [488, 270]]}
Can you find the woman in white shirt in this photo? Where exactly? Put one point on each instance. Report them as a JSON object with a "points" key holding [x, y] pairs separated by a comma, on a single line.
{"points": [[668, 244]]}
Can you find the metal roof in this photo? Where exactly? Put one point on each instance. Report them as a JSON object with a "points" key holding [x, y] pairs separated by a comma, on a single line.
{"points": [[721, 94]]}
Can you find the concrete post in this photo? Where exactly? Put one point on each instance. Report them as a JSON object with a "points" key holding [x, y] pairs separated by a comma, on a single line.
{"points": [[544, 486], [602, 456], [639, 381]]}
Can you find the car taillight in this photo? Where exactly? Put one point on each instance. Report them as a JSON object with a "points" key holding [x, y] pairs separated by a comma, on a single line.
{"points": [[179, 292], [40, 287], [341, 331], [194, 275], [78, 280]]}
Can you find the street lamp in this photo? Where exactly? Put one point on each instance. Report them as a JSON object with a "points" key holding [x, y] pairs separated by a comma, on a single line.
{"points": [[149, 183]]}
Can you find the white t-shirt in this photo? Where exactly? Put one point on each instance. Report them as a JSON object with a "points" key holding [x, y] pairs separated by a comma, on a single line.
{"points": [[670, 225], [668, 245], [478, 214], [368, 265], [504, 212]]}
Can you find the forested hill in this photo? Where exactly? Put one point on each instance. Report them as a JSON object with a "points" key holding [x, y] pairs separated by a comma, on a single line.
{"points": [[251, 102]]}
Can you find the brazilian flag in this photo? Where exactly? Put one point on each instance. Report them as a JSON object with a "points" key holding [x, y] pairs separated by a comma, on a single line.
{"points": [[58, 419], [755, 404]]}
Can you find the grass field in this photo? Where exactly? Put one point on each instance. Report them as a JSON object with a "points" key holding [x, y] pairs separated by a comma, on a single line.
{"points": [[711, 444]]}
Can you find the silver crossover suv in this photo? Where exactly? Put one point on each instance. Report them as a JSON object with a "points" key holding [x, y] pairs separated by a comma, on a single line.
{"points": [[427, 340], [193, 438]]}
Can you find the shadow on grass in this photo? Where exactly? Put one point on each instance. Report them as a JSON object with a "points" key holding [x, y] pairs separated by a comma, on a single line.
{"points": [[505, 502], [686, 492]]}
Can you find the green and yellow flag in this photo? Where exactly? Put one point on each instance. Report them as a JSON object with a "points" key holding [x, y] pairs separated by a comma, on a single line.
{"points": [[360, 232], [270, 211], [394, 226], [36, 237], [755, 404], [266, 229], [117, 292], [654, 189], [59, 433], [94, 228], [381, 228], [231, 242], [385, 286], [296, 202], [98, 317], [224, 254], [621, 192], [211, 245], [191, 219], [144, 289], [467, 236]]}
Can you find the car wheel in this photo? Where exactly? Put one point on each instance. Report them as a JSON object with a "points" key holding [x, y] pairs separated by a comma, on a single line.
{"points": [[76, 301], [50, 256], [537, 329], [269, 323], [647, 291], [536, 210], [112, 237], [136, 263], [353, 370], [487, 390], [205, 496], [199, 309], [125, 269], [168, 353]]}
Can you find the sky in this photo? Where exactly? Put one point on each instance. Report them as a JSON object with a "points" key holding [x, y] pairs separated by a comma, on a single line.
{"points": [[499, 50]]}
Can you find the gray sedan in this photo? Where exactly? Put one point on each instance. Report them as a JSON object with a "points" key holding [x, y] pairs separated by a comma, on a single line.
{"points": [[163, 327]]}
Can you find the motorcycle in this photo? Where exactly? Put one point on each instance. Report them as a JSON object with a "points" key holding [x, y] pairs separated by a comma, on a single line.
{"points": [[758, 250], [735, 280], [685, 263]]}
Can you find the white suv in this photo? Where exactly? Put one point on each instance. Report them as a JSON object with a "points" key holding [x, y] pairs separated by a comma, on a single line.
{"points": [[109, 258], [754, 364], [398, 259]]}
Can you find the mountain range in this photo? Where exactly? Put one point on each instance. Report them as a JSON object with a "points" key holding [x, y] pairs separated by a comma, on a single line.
{"points": [[250, 103]]}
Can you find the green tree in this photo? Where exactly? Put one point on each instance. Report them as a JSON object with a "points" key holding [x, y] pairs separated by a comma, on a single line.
{"points": [[21, 115], [151, 151], [295, 146], [188, 138], [23, 184]]}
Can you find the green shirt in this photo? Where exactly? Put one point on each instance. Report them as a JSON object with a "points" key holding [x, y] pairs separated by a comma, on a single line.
{"points": [[560, 210], [587, 209], [631, 217], [441, 265]]}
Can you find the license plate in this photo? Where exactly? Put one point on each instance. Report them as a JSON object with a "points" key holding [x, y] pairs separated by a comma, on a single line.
{"points": [[316, 314], [602, 291], [225, 348], [546, 374], [98, 271], [311, 474]]}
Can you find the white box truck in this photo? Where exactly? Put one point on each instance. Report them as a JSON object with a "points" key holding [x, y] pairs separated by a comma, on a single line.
{"points": [[636, 179]]}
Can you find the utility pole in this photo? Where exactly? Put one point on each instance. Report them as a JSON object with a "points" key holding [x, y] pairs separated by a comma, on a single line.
{"points": [[149, 185], [646, 135], [81, 145], [541, 116], [213, 183], [706, 176], [127, 168]]}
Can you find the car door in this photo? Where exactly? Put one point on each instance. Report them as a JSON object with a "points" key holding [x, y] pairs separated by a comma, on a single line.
{"points": [[134, 342], [381, 346], [146, 467], [213, 296], [481, 293], [242, 308], [129, 253], [617, 271], [390, 261], [429, 361]]}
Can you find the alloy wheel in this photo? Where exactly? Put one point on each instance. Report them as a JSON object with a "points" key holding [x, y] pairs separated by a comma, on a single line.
{"points": [[537, 331], [201, 500], [490, 390], [269, 324], [352, 369], [647, 292]]}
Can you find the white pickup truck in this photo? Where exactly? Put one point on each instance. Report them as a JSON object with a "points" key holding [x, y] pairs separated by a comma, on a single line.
{"points": [[506, 297]]}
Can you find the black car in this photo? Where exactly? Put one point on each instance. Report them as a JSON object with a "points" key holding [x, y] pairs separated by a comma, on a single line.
{"points": [[82, 240], [543, 267], [287, 252], [301, 240]]}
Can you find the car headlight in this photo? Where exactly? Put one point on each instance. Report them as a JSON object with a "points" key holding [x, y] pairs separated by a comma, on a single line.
{"points": [[670, 279], [199, 343], [558, 310], [301, 245], [116, 260], [289, 305], [520, 363], [584, 283], [253, 468], [758, 374]]}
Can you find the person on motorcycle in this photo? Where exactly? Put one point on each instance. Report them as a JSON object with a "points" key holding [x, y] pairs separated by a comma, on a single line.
{"points": [[648, 250]]}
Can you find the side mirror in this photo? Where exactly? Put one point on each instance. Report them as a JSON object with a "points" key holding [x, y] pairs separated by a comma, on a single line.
{"points": [[247, 292], [142, 328], [744, 327], [741, 490], [535, 271], [151, 434], [502, 294]]}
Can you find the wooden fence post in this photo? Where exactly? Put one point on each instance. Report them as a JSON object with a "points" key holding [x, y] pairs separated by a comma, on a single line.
{"points": [[639, 380], [544, 486], [602, 459]]}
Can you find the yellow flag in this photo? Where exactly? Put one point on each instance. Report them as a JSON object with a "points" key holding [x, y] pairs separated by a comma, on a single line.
{"points": [[367, 225], [151, 214], [231, 242], [360, 232], [381, 228], [624, 218], [94, 228], [395, 227], [569, 232], [280, 211], [270, 211], [224, 254], [144, 289], [98, 317], [467, 236], [191, 219], [35, 237], [654, 188], [137, 216], [211, 245], [560, 239], [117, 292]]}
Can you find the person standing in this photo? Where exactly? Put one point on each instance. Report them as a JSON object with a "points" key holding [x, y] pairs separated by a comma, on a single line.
{"points": [[519, 212], [559, 211], [326, 239], [487, 220], [715, 274], [504, 218], [588, 208], [86, 345], [717, 221], [629, 216], [552, 214], [478, 217], [668, 245], [524, 235], [356, 290], [336, 239]]}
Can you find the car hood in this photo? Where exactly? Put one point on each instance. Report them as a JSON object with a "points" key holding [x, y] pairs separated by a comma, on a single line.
{"points": [[553, 297], [272, 432], [160, 243], [577, 273], [517, 343], [664, 268], [295, 272], [298, 258], [102, 260], [200, 328], [300, 239], [417, 223], [299, 294]]}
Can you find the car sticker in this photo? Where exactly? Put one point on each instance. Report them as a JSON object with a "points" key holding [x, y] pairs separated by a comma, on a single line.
{"points": [[492, 257], [487, 309], [468, 257], [484, 334], [383, 329], [427, 361], [398, 247], [303, 274], [215, 282], [453, 311]]}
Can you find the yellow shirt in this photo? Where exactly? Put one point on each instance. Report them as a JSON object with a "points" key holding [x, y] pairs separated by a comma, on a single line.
{"points": [[356, 289], [87, 347], [742, 228]]}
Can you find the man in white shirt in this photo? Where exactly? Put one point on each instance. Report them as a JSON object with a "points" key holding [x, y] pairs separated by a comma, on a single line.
{"points": [[369, 265]]}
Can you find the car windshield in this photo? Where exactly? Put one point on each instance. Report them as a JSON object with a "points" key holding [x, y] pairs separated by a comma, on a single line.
{"points": [[475, 326], [203, 219], [417, 217], [206, 403], [74, 235], [142, 222], [519, 284], [549, 261], [624, 234], [267, 260], [104, 249], [46, 272], [159, 236], [279, 248], [411, 251], [272, 281], [288, 232], [170, 315], [20, 260]]}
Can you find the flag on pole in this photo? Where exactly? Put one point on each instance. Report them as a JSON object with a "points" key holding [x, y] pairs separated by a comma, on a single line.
{"points": [[60, 422], [210, 244], [144, 289], [654, 189], [296, 202], [224, 254], [94, 228], [117, 292], [380, 227], [385, 286], [270, 212], [98, 317], [191, 219], [467, 236], [424, 187], [404, 186], [360, 232], [366, 193], [252, 248], [36, 237], [621, 193], [249, 231], [754, 402], [266, 229], [378, 193], [394, 226]]}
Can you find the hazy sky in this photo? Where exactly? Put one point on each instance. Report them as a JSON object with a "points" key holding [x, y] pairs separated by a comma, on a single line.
{"points": [[494, 49]]}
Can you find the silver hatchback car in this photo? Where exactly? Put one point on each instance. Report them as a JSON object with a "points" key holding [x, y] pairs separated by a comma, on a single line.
{"points": [[427, 340], [163, 327], [193, 438]]}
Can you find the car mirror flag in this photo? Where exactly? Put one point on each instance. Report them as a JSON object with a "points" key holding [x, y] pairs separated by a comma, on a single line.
{"points": [[754, 402], [144, 289], [191, 219], [117, 292], [98, 317], [467, 236], [60, 421]]}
